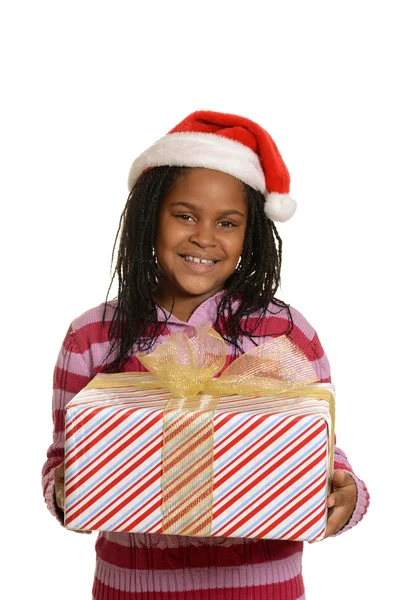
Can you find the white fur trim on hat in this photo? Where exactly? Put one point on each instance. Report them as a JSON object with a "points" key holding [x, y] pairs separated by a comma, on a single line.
{"points": [[207, 150], [279, 207]]}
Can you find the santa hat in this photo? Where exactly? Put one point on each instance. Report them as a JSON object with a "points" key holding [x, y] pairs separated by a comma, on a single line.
{"points": [[228, 143]]}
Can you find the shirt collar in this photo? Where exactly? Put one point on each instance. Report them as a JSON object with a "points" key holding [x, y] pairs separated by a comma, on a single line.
{"points": [[205, 314]]}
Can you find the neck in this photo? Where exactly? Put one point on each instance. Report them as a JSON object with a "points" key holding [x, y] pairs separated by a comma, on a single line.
{"points": [[181, 306]]}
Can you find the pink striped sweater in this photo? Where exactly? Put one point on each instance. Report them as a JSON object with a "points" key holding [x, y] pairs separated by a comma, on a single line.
{"points": [[143, 566]]}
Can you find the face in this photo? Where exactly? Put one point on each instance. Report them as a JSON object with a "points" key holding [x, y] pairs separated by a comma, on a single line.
{"points": [[200, 235]]}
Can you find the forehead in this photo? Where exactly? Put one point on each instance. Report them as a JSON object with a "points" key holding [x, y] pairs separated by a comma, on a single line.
{"points": [[208, 188]]}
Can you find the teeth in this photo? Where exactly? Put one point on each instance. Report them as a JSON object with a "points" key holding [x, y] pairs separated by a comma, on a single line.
{"points": [[198, 260]]}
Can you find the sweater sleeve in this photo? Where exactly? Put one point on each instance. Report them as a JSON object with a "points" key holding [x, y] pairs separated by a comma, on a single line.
{"points": [[71, 374], [314, 349]]}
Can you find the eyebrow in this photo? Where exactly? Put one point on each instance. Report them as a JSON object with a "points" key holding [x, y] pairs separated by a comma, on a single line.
{"points": [[196, 207]]}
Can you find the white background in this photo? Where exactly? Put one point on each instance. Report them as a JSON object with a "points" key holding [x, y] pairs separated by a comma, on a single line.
{"points": [[86, 86]]}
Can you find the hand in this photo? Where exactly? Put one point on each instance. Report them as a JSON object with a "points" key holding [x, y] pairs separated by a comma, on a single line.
{"points": [[341, 502], [59, 474]]}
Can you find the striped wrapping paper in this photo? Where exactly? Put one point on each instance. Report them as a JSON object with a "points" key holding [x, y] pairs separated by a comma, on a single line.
{"points": [[270, 468]]}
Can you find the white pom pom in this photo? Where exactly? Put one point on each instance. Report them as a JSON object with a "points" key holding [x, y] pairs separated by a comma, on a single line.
{"points": [[279, 207]]}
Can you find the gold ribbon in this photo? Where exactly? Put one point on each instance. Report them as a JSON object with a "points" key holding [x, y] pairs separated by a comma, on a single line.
{"points": [[186, 367]]}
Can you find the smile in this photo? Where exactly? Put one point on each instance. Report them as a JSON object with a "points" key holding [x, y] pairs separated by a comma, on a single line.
{"points": [[198, 263], [202, 261]]}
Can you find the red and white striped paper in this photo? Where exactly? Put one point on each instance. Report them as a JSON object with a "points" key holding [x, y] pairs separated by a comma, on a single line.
{"points": [[270, 469]]}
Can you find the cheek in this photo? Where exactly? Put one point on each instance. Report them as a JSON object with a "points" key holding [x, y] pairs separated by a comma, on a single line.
{"points": [[168, 240], [173, 231], [166, 234], [234, 246]]}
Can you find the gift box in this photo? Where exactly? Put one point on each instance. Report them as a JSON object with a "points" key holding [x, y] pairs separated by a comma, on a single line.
{"points": [[178, 451]]}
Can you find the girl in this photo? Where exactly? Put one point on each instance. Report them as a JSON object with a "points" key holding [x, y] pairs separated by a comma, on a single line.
{"points": [[198, 246]]}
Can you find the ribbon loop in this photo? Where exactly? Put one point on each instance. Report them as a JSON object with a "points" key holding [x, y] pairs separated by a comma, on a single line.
{"points": [[275, 367], [184, 365]]}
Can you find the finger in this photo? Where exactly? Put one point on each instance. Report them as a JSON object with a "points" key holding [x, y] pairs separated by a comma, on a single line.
{"points": [[336, 521], [330, 529], [338, 498], [60, 499], [348, 479], [330, 502], [59, 472], [59, 485], [78, 531], [338, 479], [342, 479]]}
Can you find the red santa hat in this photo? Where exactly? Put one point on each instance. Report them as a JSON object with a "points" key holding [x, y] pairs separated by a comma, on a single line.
{"points": [[228, 143]]}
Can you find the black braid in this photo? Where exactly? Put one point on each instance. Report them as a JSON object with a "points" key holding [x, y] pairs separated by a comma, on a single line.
{"points": [[255, 281]]}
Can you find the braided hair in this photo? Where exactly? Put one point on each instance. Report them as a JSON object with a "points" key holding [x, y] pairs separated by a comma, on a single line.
{"points": [[134, 325]]}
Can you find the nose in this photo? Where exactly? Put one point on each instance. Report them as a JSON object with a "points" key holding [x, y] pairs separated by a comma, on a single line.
{"points": [[203, 235]]}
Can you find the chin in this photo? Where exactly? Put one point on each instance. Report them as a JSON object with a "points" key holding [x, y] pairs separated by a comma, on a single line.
{"points": [[200, 290]]}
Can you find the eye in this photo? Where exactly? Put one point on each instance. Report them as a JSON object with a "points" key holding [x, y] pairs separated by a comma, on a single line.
{"points": [[185, 217], [227, 224]]}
